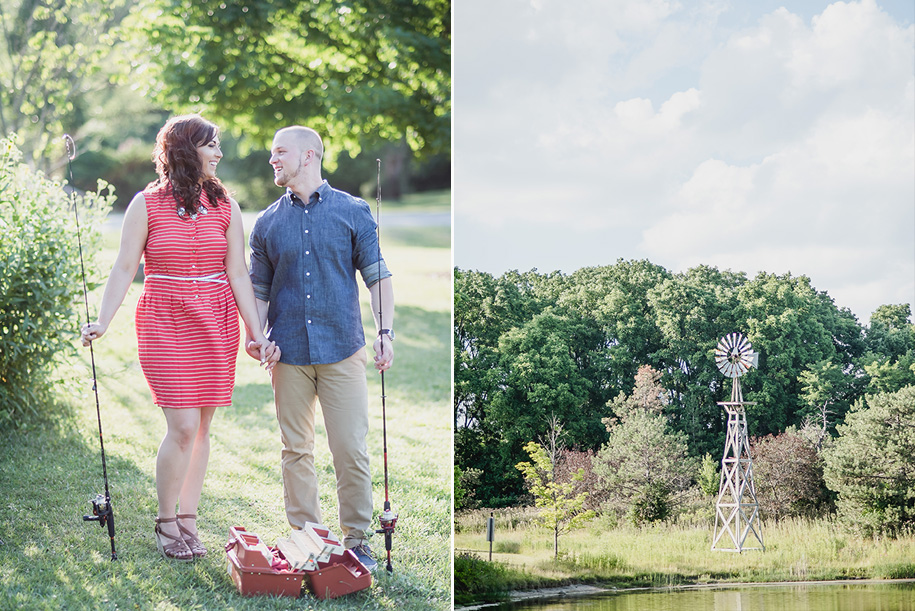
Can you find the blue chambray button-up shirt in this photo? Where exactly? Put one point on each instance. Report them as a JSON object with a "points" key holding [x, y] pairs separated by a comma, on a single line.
{"points": [[304, 258]]}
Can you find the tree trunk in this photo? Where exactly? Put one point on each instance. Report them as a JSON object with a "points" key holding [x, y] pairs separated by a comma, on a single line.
{"points": [[556, 542]]}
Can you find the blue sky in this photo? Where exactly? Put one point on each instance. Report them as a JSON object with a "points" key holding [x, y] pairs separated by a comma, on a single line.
{"points": [[752, 136]]}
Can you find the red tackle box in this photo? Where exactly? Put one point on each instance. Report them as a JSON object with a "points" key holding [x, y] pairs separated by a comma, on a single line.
{"points": [[251, 570], [342, 574], [256, 568]]}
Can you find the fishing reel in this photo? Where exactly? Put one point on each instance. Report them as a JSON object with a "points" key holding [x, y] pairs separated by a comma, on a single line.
{"points": [[103, 513], [388, 520], [101, 510]]}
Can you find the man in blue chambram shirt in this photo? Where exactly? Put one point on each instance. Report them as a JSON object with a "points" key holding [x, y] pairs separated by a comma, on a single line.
{"points": [[305, 251]]}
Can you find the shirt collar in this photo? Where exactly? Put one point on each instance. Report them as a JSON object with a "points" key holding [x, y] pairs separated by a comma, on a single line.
{"points": [[317, 197]]}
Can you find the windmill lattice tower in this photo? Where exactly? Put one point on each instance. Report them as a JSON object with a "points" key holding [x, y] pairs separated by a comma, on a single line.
{"points": [[736, 510]]}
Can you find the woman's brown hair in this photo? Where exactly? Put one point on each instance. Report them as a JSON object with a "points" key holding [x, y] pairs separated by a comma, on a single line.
{"points": [[178, 164]]}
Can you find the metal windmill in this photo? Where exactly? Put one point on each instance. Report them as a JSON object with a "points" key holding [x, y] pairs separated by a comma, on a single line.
{"points": [[736, 510]]}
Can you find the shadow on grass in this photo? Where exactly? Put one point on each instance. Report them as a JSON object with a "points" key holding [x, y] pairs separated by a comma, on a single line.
{"points": [[51, 559]]}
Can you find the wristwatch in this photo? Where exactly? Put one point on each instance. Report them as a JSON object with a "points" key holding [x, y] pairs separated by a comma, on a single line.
{"points": [[388, 332]]}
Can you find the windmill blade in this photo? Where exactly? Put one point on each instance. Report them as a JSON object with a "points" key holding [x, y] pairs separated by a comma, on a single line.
{"points": [[734, 355]]}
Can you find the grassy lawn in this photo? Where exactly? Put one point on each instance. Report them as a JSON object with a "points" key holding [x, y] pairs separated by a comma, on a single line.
{"points": [[50, 559], [664, 555]]}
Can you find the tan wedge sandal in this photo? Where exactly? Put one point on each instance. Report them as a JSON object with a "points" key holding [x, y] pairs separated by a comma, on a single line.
{"points": [[193, 542], [178, 550]]}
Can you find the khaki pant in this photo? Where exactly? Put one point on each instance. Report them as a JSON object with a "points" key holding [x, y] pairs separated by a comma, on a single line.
{"points": [[344, 403]]}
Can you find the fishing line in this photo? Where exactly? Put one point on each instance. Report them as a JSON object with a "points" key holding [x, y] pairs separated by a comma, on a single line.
{"points": [[102, 511], [388, 518]]}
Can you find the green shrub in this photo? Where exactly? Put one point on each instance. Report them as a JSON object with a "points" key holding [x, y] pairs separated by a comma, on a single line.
{"points": [[40, 283], [507, 547], [474, 576], [651, 504]]}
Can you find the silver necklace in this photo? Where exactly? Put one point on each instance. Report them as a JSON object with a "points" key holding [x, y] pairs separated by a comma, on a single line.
{"points": [[182, 213]]}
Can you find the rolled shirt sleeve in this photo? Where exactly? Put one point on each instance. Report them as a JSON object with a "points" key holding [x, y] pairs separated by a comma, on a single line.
{"points": [[366, 254]]}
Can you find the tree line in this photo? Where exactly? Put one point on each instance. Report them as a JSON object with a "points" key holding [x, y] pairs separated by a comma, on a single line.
{"points": [[373, 76], [622, 355]]}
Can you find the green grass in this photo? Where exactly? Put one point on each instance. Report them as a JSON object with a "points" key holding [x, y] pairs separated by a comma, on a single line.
{"points": [[427, 201], [664, 555], [51, 559]]}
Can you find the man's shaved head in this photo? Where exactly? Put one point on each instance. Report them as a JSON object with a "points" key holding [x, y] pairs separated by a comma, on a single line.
{"points": [[304, 138]]}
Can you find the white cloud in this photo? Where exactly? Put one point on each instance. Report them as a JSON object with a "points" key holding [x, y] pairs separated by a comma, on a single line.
{"points": [[786, 143]]}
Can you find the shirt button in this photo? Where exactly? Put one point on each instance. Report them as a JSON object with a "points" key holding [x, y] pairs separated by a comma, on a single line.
{"points": [[309, 321], [308, 296], [307, 252], [307, 273], [306, 231]]}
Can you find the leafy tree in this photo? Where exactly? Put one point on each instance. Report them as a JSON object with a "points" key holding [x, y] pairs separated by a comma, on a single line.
{"points": [[362, 72], [485, 308], [788, 475], [889, 376], [52, 53], [871, 465], [466, 482], [826, 392], [644, 467], [549, 365], [708, 478], [889, 363], [891, 334], [693, 311], [40, 282], [459, 492], [616, 297], [572, 462], [792, 326], [561, 509]]}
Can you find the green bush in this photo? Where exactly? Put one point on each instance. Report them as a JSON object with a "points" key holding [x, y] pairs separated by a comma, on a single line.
{"points": [[507, 547], [474, 578], [40, 283], [651, 504], [870, 465]]}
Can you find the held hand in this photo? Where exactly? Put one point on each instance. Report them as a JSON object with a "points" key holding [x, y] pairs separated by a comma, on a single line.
{"points": [[253, 348], [267, 352], [384, 353], [273, 356], [91, 331]]}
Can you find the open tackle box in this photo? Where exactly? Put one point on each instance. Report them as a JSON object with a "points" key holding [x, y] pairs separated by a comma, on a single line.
{"points": [[312, 555]]}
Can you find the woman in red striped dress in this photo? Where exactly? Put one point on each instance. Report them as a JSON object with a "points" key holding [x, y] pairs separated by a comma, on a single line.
{"points": [[189, 232]]}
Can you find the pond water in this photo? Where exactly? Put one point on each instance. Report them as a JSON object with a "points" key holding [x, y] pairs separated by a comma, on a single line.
{"points": [[832, 596]]}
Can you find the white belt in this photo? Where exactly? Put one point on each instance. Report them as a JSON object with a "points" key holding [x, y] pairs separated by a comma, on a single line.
{"points": [[209, 278]]}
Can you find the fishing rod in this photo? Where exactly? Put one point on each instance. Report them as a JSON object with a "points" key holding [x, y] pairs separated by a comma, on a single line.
{"points": [[388, 518], [102, 511]]}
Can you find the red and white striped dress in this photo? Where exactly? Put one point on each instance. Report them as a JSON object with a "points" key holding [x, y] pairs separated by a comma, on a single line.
{"points": [[187, 321]]}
